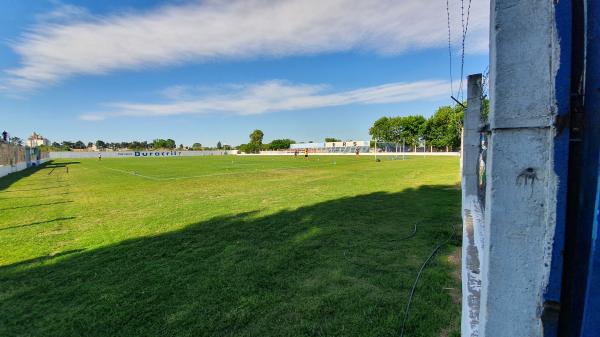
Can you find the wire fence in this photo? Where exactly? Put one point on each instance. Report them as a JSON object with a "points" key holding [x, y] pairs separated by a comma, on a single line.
{"points": [[13, 154]]}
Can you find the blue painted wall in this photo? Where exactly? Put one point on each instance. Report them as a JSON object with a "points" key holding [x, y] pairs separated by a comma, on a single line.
{"points": [[591, 206], [563, 15]]}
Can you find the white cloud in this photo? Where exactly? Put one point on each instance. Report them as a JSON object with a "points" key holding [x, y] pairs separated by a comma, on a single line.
{"points": [[63, 13], [92, 117], [273, 96], [60, 46]]}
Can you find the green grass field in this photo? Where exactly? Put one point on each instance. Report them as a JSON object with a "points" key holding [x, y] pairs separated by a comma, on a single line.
{"points": [[229, 246]]}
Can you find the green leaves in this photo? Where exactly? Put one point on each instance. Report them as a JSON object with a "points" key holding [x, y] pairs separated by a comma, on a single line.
{"points": [[441, 130], [280, 144], [256, 137], [397, 129], [444, 127]]}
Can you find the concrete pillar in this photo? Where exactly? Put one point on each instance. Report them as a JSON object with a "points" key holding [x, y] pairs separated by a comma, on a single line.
{"points": [[471, 211], [520, 210], [471, 141]]}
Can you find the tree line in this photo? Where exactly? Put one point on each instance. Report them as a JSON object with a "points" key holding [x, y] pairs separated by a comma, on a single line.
{"points": [[442, 130], [255, 145], [156, 144]]}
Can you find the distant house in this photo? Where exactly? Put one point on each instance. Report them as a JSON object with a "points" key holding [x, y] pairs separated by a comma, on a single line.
{"points": [[36, 140]]}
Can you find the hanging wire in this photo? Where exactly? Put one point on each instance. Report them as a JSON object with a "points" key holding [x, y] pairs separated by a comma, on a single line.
{"points": [[485, 83], [450, 49], [465, 29], [462, 25]]}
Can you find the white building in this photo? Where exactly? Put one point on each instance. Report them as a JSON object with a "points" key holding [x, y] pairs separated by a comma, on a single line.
{"points": [[36, 140]]}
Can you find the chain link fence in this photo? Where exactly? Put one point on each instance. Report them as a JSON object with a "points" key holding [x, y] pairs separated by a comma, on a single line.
{"points": [[13, 154]]}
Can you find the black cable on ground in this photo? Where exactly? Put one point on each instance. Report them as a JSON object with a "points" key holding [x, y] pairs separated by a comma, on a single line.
{"points": [[410, 235], [414, 286]]}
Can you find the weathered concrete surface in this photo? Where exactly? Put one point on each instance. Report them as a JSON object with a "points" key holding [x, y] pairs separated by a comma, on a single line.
{"points": [[523, 45], [520, 210], [471, 266], [518, 226], [471, 211]]}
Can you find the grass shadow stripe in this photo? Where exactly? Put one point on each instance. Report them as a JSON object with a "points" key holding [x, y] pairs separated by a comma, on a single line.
{"points": [[37, 205], [38, 223]]}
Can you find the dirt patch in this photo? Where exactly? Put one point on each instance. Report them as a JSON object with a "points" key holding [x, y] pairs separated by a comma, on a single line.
{"points": [[445, 332], [454, 259]]}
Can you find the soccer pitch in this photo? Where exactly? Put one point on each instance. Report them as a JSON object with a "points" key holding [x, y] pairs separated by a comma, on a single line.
{"points": [[229, 246]]}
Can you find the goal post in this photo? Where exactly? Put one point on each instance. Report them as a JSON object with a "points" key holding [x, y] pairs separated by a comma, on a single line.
{"points": [[388, 150]]}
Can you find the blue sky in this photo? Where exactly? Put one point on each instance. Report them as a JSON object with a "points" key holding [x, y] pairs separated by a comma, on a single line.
{"points": [[204, 71]]}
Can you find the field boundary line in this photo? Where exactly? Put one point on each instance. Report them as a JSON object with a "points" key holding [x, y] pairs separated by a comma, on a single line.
{"points": [[245, 172], [283, 168], [132, 173]]}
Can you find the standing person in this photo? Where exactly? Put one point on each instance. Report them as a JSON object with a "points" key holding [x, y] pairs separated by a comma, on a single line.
{"points": [[357, 151], [306, 153], [99, 155], [295, 153]]}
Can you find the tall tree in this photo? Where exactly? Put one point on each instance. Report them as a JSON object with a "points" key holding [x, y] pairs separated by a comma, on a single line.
{"points": [[219, 146], [398, 129], [443, 128], [381, 130], [411, 129], [331, 140], [256, 137]]}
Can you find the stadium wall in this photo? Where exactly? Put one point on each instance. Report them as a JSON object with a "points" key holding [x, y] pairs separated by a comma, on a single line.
{"points": [[291, 153], [137, 154], [8, 169]]}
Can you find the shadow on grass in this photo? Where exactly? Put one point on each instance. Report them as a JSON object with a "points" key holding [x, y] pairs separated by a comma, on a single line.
{"points": [[12, 197], [53, 164], [40, 259], [336, 268], [37, 205], [7, 181], [38, 223]]}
